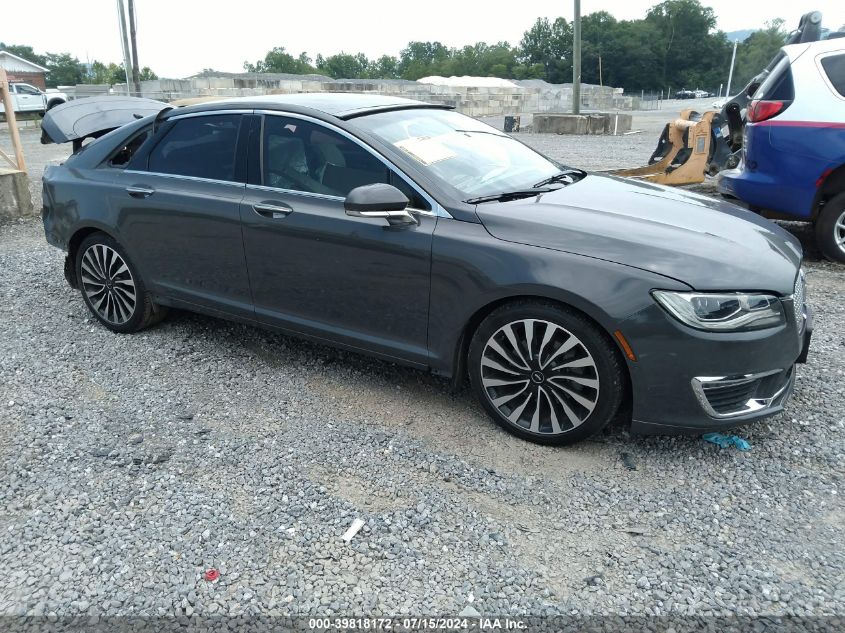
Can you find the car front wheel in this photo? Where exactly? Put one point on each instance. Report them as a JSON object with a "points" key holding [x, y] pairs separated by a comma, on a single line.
{"points": [[830, 229], [111, 286], [545, 373]]}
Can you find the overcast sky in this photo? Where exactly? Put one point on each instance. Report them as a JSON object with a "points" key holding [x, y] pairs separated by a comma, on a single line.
{"points": [[178, 38]]}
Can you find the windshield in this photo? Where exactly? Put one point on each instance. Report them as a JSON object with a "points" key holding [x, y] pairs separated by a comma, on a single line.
{"points": [[474, 158]]}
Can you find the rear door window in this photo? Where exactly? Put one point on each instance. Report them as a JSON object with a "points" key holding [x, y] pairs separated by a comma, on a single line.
{"points": [[834, 68], [200, 146]]}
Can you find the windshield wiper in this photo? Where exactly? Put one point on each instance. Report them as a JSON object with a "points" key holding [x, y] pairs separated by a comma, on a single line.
{"points": [[575, 174], [508, 195]]}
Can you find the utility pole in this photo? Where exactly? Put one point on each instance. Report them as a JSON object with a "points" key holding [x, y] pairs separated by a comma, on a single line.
{"points": [[576, 59], [121, 16], [731, 73], [136, 74]]}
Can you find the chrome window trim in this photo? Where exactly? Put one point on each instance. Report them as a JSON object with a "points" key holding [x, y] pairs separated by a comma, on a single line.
{"points": [[190, 115], [181, 177], [325, 196], [437, 209], [295, 192]]}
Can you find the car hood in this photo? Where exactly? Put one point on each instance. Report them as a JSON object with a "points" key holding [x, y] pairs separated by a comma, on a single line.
{"points": [[706, 243], [94, 116]]}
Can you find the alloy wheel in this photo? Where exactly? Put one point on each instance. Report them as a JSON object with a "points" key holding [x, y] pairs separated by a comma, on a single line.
{"points": [[108, 284], [839, 231], [539, 376]]}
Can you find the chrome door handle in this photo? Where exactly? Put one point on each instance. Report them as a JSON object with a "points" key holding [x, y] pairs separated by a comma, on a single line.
{"points": [[272, 211], [140, 192]]}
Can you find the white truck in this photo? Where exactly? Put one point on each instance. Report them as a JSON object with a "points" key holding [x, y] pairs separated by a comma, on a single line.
{"points": [[27, 98]]}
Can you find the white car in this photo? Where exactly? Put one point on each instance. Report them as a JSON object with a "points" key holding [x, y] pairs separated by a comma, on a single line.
{"points": [[28, 98]]}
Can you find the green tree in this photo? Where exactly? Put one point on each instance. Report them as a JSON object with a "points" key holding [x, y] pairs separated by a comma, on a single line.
{"points": [[344, 65], [147, 74], [421, 59], [385, 67], [599, 31], [280, 61], [691, 53], [549, 44], [63, 70], [754, 54]]}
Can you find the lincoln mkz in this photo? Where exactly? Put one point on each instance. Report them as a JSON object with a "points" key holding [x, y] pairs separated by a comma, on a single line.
{"points": [[415, 234]]}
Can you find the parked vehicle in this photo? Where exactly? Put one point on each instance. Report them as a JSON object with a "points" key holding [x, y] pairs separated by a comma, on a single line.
{"points": [[685, 94], [27, 98], [416, 234], [793, 163]]}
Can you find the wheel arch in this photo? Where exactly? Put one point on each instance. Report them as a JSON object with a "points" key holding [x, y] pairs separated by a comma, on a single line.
{"points": [[52, 103], [833, 184], [459, 362], [73, 244]]}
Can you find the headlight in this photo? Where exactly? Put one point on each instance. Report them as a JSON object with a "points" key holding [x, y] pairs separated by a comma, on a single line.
{"points": [[722, 312]]}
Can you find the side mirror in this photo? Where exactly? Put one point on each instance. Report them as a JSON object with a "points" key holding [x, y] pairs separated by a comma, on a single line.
{"points": [[379, 200]]}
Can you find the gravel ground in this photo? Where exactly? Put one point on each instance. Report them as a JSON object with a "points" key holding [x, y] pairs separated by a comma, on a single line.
{"points": [[130, 464]]}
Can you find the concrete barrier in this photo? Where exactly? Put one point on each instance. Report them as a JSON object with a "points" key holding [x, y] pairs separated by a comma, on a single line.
{"points": [[15, 201], [524, 96], [593, 123]]}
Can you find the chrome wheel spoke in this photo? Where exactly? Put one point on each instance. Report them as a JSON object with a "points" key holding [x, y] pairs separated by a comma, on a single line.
{"points": [[565, 347], [513, 417], [511, 337], [504, 354], [593, 383], [539, 376], [108, 284], [567, 410], [499, 367], [580, 362]]}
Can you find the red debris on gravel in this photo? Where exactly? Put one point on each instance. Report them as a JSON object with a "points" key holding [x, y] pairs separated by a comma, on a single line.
{"points": [[211, 575]]}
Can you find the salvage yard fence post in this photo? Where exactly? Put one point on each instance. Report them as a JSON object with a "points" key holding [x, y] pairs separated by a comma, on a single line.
{"points": [[19, 163]]}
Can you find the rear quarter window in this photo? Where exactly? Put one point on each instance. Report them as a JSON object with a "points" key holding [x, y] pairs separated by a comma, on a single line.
{"points": [[778, 85], [199, 146], [834, 68]]}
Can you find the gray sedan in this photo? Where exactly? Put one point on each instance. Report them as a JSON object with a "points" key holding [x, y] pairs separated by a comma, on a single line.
{"points": [[421, 236]]}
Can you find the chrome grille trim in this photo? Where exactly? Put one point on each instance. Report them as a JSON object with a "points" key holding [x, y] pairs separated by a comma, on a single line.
{"points": [[756, 403]]}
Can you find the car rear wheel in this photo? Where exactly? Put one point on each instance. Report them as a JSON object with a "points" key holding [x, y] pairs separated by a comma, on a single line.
{"points": [[545, 373], [830, 229], [111, 286]]}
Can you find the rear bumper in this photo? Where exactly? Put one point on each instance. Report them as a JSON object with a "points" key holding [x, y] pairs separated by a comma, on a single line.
{"points": [[705, 382], [766, 191]]}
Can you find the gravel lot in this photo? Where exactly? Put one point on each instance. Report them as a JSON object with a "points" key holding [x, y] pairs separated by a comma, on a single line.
{"points": [[130, 464]]}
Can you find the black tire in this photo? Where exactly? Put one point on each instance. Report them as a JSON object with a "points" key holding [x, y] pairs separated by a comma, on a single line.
{"points": [[830, 229], [122, 302], [565, 347]]}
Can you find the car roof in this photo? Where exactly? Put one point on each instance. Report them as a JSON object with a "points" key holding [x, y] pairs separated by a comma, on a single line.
{"points": [[793, 51], [337, 104]]}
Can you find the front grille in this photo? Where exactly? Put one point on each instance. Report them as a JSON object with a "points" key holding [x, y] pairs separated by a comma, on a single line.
{"points": [[726, 399], [737, 395]]}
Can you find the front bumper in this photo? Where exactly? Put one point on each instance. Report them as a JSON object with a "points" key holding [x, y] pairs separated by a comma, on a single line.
{"points": [[686, 381]]}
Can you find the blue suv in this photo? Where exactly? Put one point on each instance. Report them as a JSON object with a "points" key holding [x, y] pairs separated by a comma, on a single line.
{"points": [[793, 164]]}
